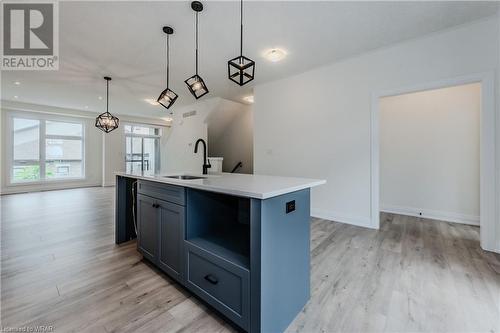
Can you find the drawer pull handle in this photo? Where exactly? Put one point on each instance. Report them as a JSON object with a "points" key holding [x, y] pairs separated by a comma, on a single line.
{"points": [[212, 279]]}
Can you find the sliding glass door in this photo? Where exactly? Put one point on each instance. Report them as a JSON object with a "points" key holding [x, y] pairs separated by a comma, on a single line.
{"points": [[151, 159], [142, 149], [134, 154]]}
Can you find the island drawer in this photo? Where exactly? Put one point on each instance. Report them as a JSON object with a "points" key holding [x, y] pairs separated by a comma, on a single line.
{"points": [[222, 284], [166, 192]]}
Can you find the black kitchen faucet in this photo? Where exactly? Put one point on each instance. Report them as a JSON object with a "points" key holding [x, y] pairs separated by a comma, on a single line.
{"points": [[205, 164]]}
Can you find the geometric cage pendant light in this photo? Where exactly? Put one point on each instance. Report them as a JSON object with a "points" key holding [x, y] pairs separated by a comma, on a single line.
{"points": [[195, 83], [167, 97], [106, 122], [241, 70]]}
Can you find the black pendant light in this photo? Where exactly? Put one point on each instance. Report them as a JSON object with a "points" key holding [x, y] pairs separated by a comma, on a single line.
{"points": [[241, 70], [167, 97], [195, 83], [106, 122]]}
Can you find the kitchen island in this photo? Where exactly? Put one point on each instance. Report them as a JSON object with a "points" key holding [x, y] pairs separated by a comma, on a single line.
{"points": [[239, 242]]}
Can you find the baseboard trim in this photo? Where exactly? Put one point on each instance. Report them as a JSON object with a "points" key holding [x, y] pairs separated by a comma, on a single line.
{"points": [[28, 189], [108, 184], [359, 221], [432, 214]]}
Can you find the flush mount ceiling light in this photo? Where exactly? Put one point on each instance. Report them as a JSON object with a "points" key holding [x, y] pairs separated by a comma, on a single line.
{"points": [[249, 99], [241, 69], [167, 97], [17, 83], [195, 83], [275, 55], [106, 122]]}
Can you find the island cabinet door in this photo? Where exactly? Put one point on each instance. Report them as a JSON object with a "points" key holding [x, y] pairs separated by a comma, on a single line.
{"points": [[147, 227], [171, 238]]}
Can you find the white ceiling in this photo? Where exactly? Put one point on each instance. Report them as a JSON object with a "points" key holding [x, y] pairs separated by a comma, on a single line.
{"points": [[124, 40]]}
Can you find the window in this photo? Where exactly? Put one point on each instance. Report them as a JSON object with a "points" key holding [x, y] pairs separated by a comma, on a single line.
{"points": [[142, 146], [46, 150], [26, 159]]}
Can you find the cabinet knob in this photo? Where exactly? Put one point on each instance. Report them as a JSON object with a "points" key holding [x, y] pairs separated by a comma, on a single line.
{"points": [[155, 205]]}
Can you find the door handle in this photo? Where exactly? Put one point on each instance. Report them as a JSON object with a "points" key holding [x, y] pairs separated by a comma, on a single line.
{"points": [[212, 279]]}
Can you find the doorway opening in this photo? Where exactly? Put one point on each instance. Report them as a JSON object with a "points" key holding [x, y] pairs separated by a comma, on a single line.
{"points": [[429, 154], [439, 156]]}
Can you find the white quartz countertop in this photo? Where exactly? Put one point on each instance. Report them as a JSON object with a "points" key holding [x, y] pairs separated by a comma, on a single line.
{"points": [[243, 185]]}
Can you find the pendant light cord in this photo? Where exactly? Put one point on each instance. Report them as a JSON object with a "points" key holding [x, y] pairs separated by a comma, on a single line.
{"points": [[196, 56], [241, 27], [107, 96], [168, 61]]}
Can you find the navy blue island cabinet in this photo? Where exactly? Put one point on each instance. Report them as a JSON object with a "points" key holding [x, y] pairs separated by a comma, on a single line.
{"points": [[246, 255]]}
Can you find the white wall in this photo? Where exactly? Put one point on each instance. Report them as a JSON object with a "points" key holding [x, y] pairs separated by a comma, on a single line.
{"points": [[113, 155], [317, 124], [230, 135], [179, 145], [497, 233], [217, 121], [429, 153], [104, 153]]}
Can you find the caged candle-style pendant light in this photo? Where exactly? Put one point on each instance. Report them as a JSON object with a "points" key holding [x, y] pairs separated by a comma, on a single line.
{"points": [[106, 122], [241, 69], [167, 97], [195, 83]]}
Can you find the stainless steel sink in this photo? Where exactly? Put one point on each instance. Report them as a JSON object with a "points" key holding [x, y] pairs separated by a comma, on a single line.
{"points": [[185, 177]]}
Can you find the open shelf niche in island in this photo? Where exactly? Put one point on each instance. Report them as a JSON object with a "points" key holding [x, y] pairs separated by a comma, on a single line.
{"points": [[220, 224]]}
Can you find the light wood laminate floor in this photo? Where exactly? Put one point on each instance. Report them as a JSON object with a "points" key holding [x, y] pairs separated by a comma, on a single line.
{"points": [[60, 267]]}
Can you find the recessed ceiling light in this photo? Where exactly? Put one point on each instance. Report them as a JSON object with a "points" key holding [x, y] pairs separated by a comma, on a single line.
{"points": [[151, 101], [275, 55], [16, 97], [86, 106], [100, 97], [248, 99], [17, 83]]}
